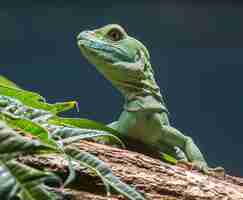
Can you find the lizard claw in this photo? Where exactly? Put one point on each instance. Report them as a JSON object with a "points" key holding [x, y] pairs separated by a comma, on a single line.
{"points": [[196, 165], [217, 172], [202, 166]]}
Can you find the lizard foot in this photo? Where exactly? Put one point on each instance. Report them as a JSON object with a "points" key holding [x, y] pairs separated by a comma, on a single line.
{"points": [[202, 166], [218, 172]]}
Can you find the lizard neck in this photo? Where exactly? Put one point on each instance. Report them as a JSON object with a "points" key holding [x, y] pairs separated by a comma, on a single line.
{"points": [[140, 90], [144, 101]]}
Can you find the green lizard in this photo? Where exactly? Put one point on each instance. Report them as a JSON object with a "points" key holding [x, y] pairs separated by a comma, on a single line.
{"points": [[125, 62]]}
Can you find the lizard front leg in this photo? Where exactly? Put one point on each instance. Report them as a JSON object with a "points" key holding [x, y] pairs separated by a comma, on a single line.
{"points": [[174, 137]]}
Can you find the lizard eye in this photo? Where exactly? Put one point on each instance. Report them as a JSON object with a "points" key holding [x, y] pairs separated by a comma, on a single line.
{"points": [[115, 35]]}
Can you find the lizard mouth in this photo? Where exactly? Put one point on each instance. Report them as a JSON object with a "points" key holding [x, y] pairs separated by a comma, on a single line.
{"points": [[108, 52], [89, 48]]}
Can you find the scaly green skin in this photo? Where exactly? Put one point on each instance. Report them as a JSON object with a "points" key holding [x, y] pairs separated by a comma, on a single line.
{"points": [[125, 62]]}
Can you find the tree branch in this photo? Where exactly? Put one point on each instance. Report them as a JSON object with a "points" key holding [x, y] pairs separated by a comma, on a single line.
{"points": [[155, 179]]}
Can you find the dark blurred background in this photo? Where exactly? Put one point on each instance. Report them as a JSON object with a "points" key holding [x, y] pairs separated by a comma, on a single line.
{"points": [[196, 50]]}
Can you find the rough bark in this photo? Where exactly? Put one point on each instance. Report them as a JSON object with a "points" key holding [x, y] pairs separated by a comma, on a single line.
{"points": [[155, 179]]}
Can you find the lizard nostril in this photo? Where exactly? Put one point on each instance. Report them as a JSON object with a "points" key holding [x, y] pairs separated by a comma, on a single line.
{"points": [[84, 34], [78, 36]]}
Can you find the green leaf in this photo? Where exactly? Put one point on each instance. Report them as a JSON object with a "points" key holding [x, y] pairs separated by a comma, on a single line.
{"points": [[22, 95], [16, 178], [20, 179], [91, 125], [88, 135], [35, 100], [104, 172], [82, 123], [30, 128], [12, 143], [63, 106], [7, 82]]}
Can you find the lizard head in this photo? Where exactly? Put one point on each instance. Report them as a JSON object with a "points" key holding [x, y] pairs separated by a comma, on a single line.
{"points": [[122, 60], [109, 48]]}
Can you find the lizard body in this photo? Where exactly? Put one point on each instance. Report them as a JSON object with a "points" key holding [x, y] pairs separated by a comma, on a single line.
{"points": [[125, 62]]}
